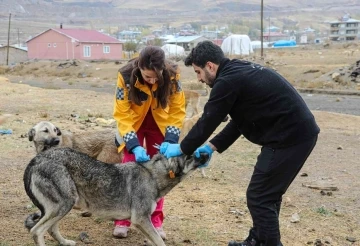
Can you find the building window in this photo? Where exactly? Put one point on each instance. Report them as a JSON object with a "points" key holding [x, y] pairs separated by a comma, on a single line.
{"points": [[54, 45], [49, 45], [87, 51], [106, 49], [352, 25]]}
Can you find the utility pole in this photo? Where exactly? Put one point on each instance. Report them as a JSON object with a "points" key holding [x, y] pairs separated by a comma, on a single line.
{"points": [[269, 31], [261, 29], [8, 42], [18, 32]]}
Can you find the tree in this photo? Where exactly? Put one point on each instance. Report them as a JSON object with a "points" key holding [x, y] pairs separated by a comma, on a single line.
{"points": [[158, 42], [238, 29], [130, 47], [196, 26]]}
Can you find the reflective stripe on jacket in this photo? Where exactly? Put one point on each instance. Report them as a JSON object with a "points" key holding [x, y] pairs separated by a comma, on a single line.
{"points": [[130, 116]]}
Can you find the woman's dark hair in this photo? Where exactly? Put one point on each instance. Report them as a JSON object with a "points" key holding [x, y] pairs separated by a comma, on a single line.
{"points": [[205, 51], [150, 58]]}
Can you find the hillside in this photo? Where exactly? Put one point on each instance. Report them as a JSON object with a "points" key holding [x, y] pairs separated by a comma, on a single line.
{"points": [[29, 17]]}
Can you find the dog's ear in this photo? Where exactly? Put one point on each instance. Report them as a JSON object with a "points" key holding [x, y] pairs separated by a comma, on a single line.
{"points": [[58, 131], [31, 134]]}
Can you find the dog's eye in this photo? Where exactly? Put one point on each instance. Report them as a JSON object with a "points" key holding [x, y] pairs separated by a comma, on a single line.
{"points": [[46, 130]]}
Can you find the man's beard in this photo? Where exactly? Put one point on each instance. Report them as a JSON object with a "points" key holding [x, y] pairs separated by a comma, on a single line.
{"points": [[209, 80]]}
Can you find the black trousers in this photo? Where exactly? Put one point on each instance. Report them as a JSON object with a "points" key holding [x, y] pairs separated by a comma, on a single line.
{"points": [[273, 173]]}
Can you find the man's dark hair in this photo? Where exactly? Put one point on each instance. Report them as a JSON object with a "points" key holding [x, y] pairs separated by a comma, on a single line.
{"points": [[205, 51]]}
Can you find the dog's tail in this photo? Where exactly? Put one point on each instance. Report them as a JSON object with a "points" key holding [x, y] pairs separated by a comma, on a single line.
{"points": [[32, 219]]}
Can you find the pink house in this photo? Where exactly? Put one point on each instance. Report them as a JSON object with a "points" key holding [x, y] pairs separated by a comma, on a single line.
{"points": [[63, 44]]}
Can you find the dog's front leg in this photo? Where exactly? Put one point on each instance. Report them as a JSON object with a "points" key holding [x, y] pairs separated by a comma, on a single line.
{"points": [[203, 172], [147, 228]]}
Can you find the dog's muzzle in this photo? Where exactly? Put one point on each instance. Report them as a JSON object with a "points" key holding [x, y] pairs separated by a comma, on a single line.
{"points": [[53, 142], [204, 157]]}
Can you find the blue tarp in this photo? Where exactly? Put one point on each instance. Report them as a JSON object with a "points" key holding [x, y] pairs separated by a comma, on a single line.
{"points": [[284, 43]]}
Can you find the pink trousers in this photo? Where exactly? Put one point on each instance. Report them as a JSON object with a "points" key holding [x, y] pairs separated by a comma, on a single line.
{"points": [[149, 134]]}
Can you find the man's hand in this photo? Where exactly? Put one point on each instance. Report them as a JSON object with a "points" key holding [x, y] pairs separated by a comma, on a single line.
{"points": [[204, 149], [140, 154], [171, 150]]}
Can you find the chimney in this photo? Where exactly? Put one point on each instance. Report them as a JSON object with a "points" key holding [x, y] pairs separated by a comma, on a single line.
{"points": [[60, 25]]}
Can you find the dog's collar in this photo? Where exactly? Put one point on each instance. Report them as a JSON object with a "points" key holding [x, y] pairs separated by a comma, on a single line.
{"points": [[171, 174]]}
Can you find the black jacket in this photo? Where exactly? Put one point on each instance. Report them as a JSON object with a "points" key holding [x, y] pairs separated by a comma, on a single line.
{"points": [[263, 106]]}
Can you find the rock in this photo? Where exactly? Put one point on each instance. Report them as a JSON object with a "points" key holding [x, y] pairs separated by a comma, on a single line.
{"points": [[335, 76], [318, 243], [351, 239], [102, 121], [84, 237], [295, 218], [287, 202]]}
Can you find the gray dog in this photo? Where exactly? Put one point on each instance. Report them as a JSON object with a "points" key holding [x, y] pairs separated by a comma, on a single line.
{"points": [[58, 178], [97, 144]]}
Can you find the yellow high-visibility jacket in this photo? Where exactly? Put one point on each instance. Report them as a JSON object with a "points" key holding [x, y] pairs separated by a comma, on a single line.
{"points": [[130, 116]]}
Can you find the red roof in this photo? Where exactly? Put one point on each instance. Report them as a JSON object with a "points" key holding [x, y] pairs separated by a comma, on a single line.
{"points": [[83, 35]]}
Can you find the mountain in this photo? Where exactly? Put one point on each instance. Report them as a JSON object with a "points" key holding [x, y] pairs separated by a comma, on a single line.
{"points": [[29, 17]]}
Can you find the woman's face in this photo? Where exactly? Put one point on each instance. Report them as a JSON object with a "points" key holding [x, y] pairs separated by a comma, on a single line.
{"points": [[149, 76]]}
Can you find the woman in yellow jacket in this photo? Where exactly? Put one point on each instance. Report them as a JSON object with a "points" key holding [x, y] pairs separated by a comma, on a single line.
{"points": [[149, 109]]}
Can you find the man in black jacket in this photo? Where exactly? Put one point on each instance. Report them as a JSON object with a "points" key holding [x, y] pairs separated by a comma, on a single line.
{"points": [[268, 111]]}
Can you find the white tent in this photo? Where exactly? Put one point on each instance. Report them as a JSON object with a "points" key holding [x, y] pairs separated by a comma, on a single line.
{"points": [[172, 50], [237, 45], [257, 44]]}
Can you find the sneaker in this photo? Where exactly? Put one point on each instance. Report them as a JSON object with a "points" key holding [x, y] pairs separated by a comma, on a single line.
{"points": [[120, 231], [161, 232], [249, 241]]}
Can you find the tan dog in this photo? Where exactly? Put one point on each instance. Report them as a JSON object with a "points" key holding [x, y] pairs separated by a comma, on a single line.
{"points": [[192, 98], [97, 144]]}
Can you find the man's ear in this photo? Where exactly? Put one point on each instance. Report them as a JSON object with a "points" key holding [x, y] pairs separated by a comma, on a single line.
{"points": [[212, 66]]}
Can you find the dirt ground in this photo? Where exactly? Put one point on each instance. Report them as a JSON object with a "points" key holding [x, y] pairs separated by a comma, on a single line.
{"points": [[200, 211]]}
